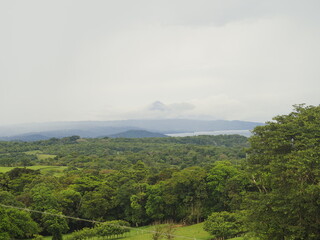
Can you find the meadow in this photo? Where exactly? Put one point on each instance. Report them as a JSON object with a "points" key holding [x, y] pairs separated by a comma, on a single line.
{"points": [[194, 231], [53, 170], [40, 155]]}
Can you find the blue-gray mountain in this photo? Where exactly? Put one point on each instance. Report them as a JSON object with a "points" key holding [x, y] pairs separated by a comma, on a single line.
{"points": [[89, 129], [137, 134]]}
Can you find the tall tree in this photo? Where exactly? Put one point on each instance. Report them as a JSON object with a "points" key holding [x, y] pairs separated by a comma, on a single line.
{"points": [[16, 224], [284, 164], [227, 184], [185, 194], [55, 225]]}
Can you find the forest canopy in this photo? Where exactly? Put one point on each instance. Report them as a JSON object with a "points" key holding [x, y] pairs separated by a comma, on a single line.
{"points": [[267, 186]]}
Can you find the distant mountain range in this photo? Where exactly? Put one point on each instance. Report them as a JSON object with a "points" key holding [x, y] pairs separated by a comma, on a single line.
{"points": [[137, 134], [91, 129]]}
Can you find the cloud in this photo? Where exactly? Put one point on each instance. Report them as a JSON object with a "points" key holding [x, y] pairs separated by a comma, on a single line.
{"points": [[157, 109], [174, 107], [233, 59], [158, 106]]}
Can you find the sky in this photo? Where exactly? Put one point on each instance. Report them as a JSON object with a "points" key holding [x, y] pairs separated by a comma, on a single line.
{"points": [[78, 60]]}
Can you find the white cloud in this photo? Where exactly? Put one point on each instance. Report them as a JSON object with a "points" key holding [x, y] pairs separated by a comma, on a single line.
{"points": [[246, 60]]}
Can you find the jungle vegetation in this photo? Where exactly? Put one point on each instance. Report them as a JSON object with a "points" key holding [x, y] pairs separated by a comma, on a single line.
{"points": [[266, 186]]}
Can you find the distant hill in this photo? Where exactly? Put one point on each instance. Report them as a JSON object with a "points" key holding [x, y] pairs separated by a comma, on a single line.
{"points": [[137, 134], [84, 133], [25, 138], [92, 129]]}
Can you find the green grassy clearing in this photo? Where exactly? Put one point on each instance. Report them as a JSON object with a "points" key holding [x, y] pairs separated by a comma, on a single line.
{"points": [[40, 155], [182, 232], [35, 152], [56, 170]]}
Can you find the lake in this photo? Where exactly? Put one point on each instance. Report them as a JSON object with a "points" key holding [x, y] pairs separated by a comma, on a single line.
{"points": [[246, 133]]}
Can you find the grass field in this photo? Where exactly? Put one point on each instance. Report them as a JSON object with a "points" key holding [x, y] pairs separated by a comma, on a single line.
{"points": [[184, 232], [195, 232], [35, 152], [55, 170], [44, 169], [40, 155]]}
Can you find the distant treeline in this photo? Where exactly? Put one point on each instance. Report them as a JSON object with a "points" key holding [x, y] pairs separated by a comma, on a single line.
{"points": [[120, 153]]}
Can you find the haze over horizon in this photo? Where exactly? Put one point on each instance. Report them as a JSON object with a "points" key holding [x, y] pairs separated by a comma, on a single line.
{"points": [[80, 60]]}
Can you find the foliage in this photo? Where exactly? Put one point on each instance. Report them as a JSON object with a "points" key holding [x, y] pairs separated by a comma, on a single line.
{"points": [[283, 163], [138, 180], [84, 233], [114, 153], [38, 237], [16, 159], [55, 225], [16, 224], [227, 185], [223, 225], [106, 229], [163, 231], [112, 228]]}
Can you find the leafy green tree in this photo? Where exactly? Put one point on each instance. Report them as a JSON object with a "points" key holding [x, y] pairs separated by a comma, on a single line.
{"points": [[112, 228], [86, 183], [137, 203], [20, 177], [223, 225], [16, 224], [185, 194], [96, 204], [139, 171], [8, 198], [55, 225], [284, 164], [155, 205], [43, 197], [84, 233], [227, 185], [4, 182], [106, 229], [4, 236], [70, 201]]}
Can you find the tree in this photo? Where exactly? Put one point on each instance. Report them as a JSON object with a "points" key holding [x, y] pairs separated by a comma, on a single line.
{"points": [[185, 195], [223, 225], [55, 225], [107, 229], [155, 206], [227, 184], [112, 228], [43, 197], [283, 163], [163, 231], [16, 224], [70, 201], [97, 204]]}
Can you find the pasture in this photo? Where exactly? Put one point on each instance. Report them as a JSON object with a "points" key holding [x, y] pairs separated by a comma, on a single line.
{"points": [[54, 170]]}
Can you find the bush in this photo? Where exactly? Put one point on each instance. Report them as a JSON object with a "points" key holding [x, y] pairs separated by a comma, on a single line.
{"points": [[83, 234], [111, 228], [223, 225]]}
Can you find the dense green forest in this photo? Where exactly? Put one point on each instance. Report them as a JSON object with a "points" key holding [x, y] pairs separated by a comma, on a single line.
{"points": [[266, 186]]}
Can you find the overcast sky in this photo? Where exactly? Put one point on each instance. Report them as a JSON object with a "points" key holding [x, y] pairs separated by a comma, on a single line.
{"points": [[65, 60]]}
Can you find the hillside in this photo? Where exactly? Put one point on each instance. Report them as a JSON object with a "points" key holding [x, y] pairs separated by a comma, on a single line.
{"points": [[137, 134], [28, 132]]}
